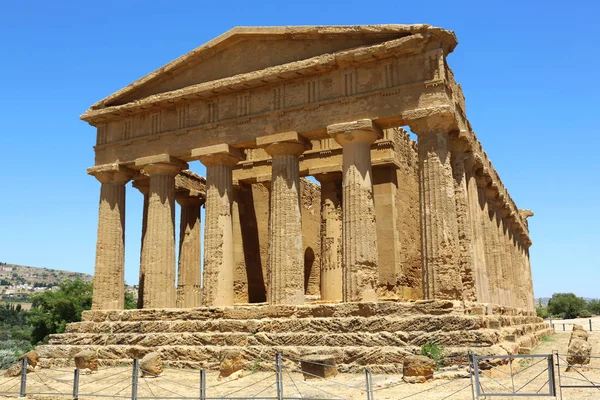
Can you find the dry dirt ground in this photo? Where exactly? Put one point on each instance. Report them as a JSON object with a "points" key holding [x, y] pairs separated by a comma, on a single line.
{"points": [[178, 383]]}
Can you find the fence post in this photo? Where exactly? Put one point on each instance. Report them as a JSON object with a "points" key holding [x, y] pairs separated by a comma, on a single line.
{"points": [[202, 384], [590, 324], [23, 390], [563, 327], [470, 363], [369, 379], [76, 384], [279, 376], [134, 379]]}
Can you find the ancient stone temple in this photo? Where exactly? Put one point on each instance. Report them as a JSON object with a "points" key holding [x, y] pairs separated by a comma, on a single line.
{"points": [[402, 242]]}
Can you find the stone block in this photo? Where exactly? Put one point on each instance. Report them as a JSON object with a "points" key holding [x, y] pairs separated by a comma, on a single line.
{"points": [[418, 369], [318, 366], [151, 365], [579, 352], [87, 359]]}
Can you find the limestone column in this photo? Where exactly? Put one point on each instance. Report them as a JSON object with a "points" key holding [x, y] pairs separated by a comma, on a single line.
{"points": [[439, 229], [465, 239], [158, 252], [494, 250], [109, 271], [331, 236], [143, 185], [188, 273], [475, 216], [359, 229], [286, 259], [217, 285]]}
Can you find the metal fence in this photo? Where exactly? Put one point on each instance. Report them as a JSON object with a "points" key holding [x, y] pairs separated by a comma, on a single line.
{"points": [[567, 325], [467, 376]]}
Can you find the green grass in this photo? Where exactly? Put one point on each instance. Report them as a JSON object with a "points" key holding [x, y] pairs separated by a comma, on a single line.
{"points": [[547, 338]]}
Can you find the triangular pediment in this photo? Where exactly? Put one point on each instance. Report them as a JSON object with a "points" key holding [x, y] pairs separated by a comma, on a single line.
{"points": [[243, 50]]}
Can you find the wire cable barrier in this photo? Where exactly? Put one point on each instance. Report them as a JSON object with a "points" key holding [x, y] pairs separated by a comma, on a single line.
{"points": [[466, 376]]}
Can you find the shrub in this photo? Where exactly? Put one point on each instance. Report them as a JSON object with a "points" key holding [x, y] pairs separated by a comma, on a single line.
{"points": [[434, 351], [585, 314], [7, 358]]}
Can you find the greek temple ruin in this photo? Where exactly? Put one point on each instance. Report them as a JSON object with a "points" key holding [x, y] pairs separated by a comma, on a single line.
{"points": [[395, 227]]}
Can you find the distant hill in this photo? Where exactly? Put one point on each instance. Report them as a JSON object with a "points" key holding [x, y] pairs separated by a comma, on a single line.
{"points": [[19, 281]]}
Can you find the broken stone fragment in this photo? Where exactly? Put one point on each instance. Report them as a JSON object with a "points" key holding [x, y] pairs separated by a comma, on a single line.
{"points": [[417, 369], [87, 359], [579, 352], [151, 365], [232, 362], [33, 358]]}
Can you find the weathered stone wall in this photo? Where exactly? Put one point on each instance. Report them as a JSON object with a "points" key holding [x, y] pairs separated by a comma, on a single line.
{"points": [[250, 210], [396, 193]]}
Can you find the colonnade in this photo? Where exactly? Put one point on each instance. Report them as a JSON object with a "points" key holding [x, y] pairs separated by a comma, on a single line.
{"points": [[470, 248], [286, 263]]}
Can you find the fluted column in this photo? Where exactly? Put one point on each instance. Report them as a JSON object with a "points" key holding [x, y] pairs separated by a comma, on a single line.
{"points": [[188, 273], [109, 271], [286, 261], [439, 228], [158, 252], [217, 285], [143, 185], [359, 229], [465, 238], [475, 212], [331, 236], [493, 248]]}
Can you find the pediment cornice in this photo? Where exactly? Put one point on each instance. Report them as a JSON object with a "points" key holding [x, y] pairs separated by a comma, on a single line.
{"points": [[409, 39]]}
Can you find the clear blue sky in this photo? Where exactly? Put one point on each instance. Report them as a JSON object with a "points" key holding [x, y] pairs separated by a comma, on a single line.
{"points": [[529, 70]]}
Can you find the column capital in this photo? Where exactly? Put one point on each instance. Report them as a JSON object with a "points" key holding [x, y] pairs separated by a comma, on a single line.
{"points": [[218, 154], [160, 164], [111, 173], [434, 123], [142, 184], [328, 177], [290, 143], [361, 131], [189, 200]]}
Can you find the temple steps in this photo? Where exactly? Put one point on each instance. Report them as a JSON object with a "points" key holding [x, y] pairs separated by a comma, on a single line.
{"points": [[379, 335], [443, 323]]}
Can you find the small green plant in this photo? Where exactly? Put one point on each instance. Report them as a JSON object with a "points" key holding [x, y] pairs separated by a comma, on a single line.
{"points": [[524, 362], [256, 365], [547, 338], [434, 351]]}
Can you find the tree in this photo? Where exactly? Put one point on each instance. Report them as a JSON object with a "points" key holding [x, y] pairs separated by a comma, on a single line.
{"points": [[593, 306], [52, 310], [565, 305], [130, 302]]}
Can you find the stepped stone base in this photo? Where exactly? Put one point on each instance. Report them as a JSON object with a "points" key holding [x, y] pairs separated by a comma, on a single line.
{"points": [[379, 334]]}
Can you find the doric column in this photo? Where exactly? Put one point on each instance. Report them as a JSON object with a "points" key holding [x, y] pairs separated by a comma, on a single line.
{"points": [[465, 238], [359, 229], [143, 185], [188, 273], [217, 287], [493, 252], [286, 261], [158, 252], [439, 229], [476, 215], [331, 236], [511, 283], [109, 272]]}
